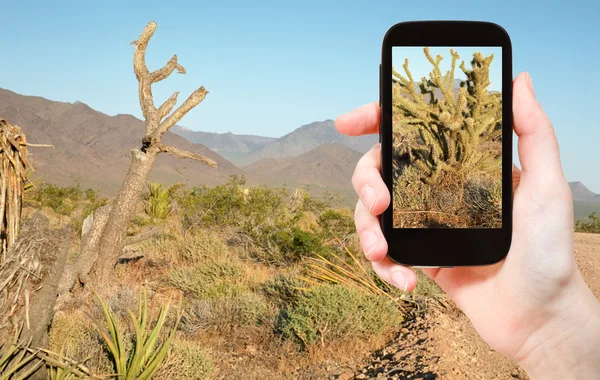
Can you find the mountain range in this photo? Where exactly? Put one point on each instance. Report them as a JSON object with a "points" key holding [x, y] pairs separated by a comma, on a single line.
{"points": [[93, 148], [297, 142]]}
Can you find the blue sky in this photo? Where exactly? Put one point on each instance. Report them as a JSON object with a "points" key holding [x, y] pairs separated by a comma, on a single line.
{"points": [[273, 66], [420, 67]]}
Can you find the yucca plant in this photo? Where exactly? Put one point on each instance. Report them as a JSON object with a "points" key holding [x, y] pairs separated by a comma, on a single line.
{"points": [[147, 354], [15, 358], [158, 205]]}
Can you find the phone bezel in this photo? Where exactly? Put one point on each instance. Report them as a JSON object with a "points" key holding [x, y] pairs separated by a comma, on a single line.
{"points": [[447, 247]]}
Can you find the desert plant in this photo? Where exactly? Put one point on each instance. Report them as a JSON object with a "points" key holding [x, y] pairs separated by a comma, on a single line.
{"points": [[158, 201], [15, 358], [446, 135], [226, 312], [283, 289], [589, 224], [147, 354], [213, 278], [186, 361], [333, 312]]}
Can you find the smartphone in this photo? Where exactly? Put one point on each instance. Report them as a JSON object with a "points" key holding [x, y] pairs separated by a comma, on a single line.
{"points": [[446, 142]]}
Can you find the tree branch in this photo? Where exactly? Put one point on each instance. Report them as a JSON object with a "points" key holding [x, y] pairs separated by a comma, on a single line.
{"points": [[195, 98], [141, 71], [163, 73], [185, 154], [167, 106]]}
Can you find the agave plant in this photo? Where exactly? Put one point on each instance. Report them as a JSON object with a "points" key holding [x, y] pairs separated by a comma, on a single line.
{"points": [[147, 354]]}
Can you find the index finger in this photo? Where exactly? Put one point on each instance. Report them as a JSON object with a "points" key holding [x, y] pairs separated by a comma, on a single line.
{"points": [[362, 121]]}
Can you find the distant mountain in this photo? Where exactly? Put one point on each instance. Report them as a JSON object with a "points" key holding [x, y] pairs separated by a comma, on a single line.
{"points": [[229, 145], [309, 137], [329, 166], [582, 193], [94, 148]]}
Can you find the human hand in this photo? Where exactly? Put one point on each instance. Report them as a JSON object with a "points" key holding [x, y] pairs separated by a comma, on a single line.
{"points": [[533, 306]]}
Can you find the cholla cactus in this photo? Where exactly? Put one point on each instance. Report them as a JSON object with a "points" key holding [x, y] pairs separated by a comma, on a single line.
{"points": [[448, 128]]}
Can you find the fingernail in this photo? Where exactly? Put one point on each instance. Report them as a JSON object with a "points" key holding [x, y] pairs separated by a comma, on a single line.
{"points": [[530, 85], [367, 197], [368, 241], [399, 280]]}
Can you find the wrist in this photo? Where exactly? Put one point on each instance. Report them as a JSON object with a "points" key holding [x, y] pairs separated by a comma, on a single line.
{"points": [[568, 345]]}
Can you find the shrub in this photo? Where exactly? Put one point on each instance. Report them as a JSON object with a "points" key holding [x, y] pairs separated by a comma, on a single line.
{"points": [[186, 360], [199, 246], [212, 278], [295, 243], [333, 312], [62, 200], [337, 222], [589, 224], [283, 289], [72, 334], [266, 218], [226, 313]]}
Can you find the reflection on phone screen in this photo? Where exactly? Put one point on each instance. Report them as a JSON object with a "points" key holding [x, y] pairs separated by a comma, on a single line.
{"points": [[447, 137]]}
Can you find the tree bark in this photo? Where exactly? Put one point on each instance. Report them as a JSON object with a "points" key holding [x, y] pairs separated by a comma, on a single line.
{"points": [[112, 239]]}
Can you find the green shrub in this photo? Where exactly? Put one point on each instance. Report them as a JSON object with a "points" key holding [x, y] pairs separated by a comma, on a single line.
{"points": [[296, 243], [589, 224], [283, 289], [337, 222], [186, 360], [266, 219], [62, 200], [329, 313]]}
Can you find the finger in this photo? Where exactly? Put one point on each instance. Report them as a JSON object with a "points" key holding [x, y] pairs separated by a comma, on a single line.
{"points": [[369, 232], [362, 121], [538, 147], [368, 183], [400, 276], [516, 177]]}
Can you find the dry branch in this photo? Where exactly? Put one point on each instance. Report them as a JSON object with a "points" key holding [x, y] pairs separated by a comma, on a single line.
{"points": [[185, 154]]}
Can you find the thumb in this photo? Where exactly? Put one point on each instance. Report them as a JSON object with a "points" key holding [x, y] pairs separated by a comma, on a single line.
{"points": [[538, 148]]}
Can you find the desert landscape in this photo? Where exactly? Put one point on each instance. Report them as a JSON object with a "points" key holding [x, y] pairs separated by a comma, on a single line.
{"points": [[137, 248]]}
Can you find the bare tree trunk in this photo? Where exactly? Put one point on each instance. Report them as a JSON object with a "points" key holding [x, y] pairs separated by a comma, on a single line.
{"points": [[123, 208], [105, 241]]}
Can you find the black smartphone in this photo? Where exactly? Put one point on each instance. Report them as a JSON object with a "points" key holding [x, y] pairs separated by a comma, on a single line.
{"points": [[446, 142]]}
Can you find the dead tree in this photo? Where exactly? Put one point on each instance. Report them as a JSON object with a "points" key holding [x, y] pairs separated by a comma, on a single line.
{"points": [[13, 167], [103, 244]]}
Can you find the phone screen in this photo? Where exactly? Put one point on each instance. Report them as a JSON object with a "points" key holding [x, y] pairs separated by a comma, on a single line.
{"points": [[447, 137]]}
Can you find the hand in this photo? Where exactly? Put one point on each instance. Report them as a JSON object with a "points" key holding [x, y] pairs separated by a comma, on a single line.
{"points": [[533, 306]]}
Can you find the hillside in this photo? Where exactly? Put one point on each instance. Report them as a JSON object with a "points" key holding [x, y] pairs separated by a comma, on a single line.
{"points": [[93, 148], [229, 145], [582, 193], [329, 167], [309, 137]]}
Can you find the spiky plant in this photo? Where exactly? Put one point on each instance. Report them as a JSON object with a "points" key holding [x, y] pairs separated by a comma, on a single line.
{"points": [[15, 358], [147, 353], [442, 134], [158, 204]]}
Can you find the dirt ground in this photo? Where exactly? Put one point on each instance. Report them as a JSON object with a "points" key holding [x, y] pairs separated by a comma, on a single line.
{"points": [[442, 344]]}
